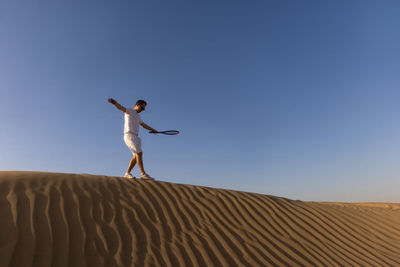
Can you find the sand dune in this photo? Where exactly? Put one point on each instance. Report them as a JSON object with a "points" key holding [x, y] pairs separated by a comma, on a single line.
{"points": [[53, 219]]}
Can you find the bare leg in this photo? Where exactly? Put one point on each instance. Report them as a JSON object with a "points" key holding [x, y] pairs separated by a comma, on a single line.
{"points": [[131, 164], [139, 159]]}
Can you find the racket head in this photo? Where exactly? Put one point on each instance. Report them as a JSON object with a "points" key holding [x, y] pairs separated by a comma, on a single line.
{"points": [[169, 132]]}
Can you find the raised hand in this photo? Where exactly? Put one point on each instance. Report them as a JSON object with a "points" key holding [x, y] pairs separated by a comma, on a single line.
{"points": [[112, 101]]}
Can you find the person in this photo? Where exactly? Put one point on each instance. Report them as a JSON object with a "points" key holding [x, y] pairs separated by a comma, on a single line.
{"points": [[131, 135]]}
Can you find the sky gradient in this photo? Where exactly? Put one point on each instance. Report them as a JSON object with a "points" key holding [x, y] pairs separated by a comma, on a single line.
{"points": [[298, 99]]}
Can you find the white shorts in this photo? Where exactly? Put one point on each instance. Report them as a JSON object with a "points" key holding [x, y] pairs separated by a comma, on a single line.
{"points": [[133, 142]]}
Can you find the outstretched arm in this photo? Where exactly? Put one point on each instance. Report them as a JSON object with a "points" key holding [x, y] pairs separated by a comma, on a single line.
{"points": [[117, 105], [144, 125]]}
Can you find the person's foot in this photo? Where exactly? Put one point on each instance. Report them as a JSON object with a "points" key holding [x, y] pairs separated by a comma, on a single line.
{"points": [[128, 175], [145, 176]]}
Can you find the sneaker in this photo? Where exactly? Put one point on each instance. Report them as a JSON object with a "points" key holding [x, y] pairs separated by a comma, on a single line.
{"points": [[146, 177], [128, 175]]}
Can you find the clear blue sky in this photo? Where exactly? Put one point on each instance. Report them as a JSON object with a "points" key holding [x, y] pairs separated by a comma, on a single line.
{"points": [[299, 99]]}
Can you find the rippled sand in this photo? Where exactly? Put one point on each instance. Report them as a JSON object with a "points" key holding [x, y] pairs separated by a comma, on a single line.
{"points": [[55, 219]]}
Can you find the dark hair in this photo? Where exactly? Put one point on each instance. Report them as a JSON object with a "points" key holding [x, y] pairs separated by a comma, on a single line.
{"points": [[141, 102]]}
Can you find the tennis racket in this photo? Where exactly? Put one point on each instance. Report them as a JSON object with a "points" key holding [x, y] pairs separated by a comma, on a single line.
{"points": [[169, 132]]}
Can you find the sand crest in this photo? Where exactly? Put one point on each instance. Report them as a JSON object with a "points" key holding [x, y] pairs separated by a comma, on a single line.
{"points": [[54, 219]]}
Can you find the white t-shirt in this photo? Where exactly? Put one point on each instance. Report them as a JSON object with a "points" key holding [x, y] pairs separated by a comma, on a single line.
{"points": [[132, 121]]}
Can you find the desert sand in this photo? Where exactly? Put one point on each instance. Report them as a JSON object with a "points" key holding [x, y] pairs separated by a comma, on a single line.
{"points": [[55, 219]]}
